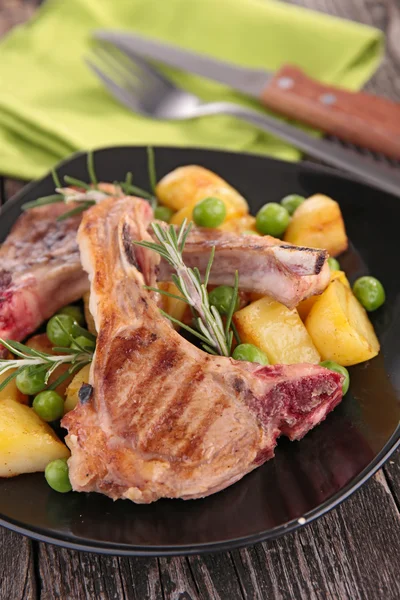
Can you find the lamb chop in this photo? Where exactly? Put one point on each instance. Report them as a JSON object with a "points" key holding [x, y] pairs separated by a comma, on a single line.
{"points": [[41, 269], [160, 417], [266, 265]]}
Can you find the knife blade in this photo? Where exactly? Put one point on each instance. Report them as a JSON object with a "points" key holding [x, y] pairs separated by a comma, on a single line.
{"points": [[363, 119]]}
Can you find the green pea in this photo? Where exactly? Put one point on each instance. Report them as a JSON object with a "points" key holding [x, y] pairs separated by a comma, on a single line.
{"points": [[221, 298], [272, 219], [56, 333], [163, 213], [292, 202], [250, 353], [84, 342], [30, 381], [48, 405], [333, 264], [369, 292], [334, 366], [57, 476], [73, 311], [210, 212]]}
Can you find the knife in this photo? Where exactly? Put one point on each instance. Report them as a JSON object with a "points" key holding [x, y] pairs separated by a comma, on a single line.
{"points": [[362, 119]]}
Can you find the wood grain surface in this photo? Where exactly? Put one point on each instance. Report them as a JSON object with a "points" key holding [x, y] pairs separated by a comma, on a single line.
{"points": [[353, 553]]}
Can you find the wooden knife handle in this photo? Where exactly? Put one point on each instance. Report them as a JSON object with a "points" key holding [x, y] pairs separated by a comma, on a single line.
{"points": [[363, 119]]}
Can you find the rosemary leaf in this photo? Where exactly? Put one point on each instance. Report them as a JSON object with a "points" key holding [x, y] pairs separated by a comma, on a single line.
{"points": [[209, 265], [165, 293], [56, 179], [184, 326], [91, 170], [76, 211], [77, 182], [151, 167], [232, 304], [52, 199]]}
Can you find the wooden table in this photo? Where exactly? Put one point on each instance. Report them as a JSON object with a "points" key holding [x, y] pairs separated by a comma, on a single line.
{"points": [[351, 553]]}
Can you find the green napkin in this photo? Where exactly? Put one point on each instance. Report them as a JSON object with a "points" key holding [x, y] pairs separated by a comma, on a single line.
{"points": [[52, 105]]}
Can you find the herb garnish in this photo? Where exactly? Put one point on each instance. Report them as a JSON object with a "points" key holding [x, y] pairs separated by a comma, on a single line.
{"points": [[88, 194], [38, 361], [216, 337]]}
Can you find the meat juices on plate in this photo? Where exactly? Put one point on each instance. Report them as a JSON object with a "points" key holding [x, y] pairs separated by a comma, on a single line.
{"points": [[165, 419]]}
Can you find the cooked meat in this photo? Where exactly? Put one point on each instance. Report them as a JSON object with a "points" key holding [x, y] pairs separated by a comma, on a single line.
{"points": [[165, 419], [40, 270], [266, 265]]}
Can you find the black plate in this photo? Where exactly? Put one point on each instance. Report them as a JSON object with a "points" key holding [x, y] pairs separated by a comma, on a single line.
{"points": [[307, 478]]}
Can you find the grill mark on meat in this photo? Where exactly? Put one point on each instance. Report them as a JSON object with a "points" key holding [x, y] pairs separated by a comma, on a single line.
{"points": [[155, 378], [168, 424], [193, 444]]}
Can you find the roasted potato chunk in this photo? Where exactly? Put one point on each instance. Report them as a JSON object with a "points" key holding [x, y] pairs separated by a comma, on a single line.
{"points": [[306, 305], [246, 223], [72, 392], [340, 328], [174, 307], [185, 186], [318, 223], [276, 330], [27, 444], [11, 391]]}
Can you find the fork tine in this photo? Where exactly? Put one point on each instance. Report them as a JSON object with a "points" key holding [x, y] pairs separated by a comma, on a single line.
{"points": [[139, 63], [110, 64], [123, 96]]}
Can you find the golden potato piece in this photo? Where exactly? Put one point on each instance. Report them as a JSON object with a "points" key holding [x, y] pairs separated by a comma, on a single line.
{"points": [[27, 444], [306, 305], [246, 223], [187, 185], [72, 392], [276, 330], [340, 328], [318, 223], [41, 342], [88, 315], [11, 391]]}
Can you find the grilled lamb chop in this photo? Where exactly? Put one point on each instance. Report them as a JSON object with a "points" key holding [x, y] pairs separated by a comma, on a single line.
{"points": [[160, 417], [266, 265], [41, 270]]}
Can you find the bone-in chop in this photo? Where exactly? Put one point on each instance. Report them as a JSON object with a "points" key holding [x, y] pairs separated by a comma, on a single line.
{"points": [[40, 268], [165, 419]]}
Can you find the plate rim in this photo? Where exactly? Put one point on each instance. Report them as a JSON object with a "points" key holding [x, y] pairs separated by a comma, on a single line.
{"points": [[118, 549]]}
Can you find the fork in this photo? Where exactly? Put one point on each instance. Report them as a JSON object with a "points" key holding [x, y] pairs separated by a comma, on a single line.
{"points": [[144, 90]]}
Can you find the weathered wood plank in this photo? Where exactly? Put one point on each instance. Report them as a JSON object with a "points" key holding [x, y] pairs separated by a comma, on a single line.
{"points": [[72, 575], [176, 579], [351, 553], [17, 577], [392, 472]]}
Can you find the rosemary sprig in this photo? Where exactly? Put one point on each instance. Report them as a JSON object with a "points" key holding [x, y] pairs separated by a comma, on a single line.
{"points": [[89, 193], [209, 328], [39, 361]]}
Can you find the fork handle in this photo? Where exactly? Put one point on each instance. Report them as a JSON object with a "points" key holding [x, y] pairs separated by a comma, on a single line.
{"points": [[363, 119], [367, 170]]}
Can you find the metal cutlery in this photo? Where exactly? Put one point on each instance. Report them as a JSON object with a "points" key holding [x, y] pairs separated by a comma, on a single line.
{"points": [[144, 90], [369, 121]]}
